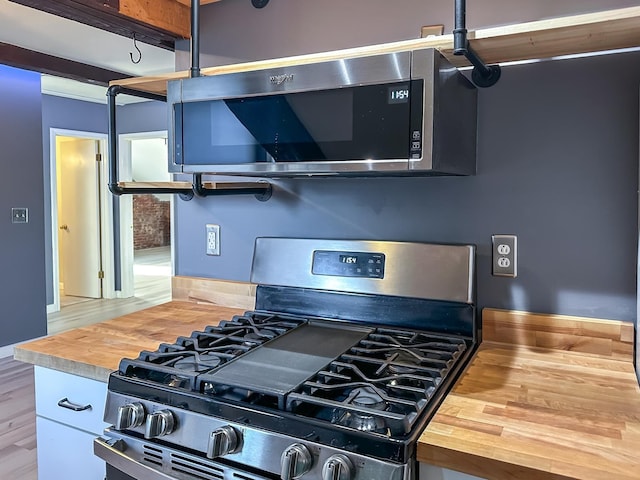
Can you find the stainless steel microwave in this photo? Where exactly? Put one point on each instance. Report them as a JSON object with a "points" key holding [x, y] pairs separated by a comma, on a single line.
{"points": [[400, 113]]}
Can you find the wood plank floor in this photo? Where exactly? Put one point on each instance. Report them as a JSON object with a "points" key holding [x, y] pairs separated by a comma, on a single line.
{"points": [[152, 273], [17, 421]]}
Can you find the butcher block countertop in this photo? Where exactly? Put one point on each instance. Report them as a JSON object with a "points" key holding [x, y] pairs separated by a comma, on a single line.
{"points": [[95, 351], [545, 397]]}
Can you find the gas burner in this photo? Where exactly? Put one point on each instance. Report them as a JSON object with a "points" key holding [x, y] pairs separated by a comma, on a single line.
{"points": [[362, 422], [403, 361], [259, 335], [198, 362], [366, 397]]}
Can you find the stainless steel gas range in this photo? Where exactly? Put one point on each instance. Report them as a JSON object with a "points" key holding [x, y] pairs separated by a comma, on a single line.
{"points": [[350, 349]]}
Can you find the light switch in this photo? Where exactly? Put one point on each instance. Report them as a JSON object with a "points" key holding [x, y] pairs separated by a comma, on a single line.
{"points": [[19, 215]]}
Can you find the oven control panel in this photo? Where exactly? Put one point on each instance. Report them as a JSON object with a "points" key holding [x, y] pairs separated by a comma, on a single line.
{"points": [[348, 264]]}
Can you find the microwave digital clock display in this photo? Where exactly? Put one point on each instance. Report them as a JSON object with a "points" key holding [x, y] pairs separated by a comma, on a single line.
{"points": [[399, 94]]}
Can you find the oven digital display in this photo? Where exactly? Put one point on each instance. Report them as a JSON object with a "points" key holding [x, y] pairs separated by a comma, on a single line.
{"points": [[348, 264], [348, 259]]}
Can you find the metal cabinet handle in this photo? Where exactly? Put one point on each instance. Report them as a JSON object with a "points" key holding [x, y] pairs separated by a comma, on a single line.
{"points": [[65, 403]]}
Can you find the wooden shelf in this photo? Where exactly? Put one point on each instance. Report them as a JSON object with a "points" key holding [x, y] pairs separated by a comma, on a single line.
{"points": [[151, 185], [591, 32], [187, 185], [233, 185]]}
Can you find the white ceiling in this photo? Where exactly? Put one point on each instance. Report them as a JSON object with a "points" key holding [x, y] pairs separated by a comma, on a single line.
{"points": [[46, 33]]}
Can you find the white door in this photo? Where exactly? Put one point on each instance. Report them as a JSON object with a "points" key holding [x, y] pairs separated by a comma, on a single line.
{"points": [[79, 216]]}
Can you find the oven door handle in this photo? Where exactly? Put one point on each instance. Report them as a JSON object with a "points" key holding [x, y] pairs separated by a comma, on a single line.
{"points": [[112, 452]]}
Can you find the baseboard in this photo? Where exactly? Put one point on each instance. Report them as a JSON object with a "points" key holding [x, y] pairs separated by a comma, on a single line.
{"points": [[7, 350]]}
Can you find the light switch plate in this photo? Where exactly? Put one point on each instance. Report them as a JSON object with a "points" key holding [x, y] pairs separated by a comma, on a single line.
{"points": [[19, 215], [504, 255]]}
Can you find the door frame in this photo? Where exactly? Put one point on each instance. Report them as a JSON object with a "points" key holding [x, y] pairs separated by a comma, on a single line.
{"points": [[106, 214], [127, 287]]}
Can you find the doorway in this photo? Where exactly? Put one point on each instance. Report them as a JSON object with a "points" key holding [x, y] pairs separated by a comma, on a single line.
{"points": [[80, 220], [146, 221]]}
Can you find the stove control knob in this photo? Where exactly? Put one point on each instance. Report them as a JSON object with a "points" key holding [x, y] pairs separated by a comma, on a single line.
{"points": [[296, 460], [337, 467], [223, 441], [130, 415], [159, 423]]}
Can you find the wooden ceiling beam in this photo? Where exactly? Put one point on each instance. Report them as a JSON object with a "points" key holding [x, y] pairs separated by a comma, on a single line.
{"points": [[156, 22], [19, 57]]}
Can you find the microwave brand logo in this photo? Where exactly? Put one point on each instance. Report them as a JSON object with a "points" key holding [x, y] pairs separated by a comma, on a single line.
{"points": [[280, 79]]}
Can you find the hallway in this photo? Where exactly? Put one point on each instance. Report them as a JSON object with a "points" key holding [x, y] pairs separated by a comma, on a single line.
{"points": [[152, 277]]}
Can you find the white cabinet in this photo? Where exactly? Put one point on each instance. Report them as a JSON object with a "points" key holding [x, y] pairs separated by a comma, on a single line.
{"points": [[429, 472], [69, 412]]}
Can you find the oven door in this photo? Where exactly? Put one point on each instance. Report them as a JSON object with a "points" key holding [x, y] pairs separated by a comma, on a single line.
{"points": [[122, 467], [132, 458]]}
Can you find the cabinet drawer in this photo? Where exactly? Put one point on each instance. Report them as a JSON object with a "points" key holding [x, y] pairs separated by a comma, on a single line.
{"points": [[53, 386]]}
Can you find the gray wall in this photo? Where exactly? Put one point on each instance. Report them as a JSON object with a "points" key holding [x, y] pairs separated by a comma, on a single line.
{"points": [[234, 30], [67, 114], [22, 294], [557, 163], [71, 114]]}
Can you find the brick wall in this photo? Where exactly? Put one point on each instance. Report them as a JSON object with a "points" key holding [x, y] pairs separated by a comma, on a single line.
{"points": [[151, 224]]}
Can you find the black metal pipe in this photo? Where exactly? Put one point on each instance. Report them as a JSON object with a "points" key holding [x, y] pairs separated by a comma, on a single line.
{"points": [[477, 62], [460, 42], [195, 38], [114, 187]]}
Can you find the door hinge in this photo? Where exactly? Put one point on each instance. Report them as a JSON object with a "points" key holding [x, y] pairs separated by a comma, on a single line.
{"points": [[98, 157], [101, 274]]}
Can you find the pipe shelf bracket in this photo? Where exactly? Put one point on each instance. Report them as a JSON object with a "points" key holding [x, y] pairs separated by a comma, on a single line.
{"points": [[483, 75], [261, 189], [115, 186]]}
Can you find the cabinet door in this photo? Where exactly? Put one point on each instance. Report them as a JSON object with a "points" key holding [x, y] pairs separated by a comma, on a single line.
{"points": [[66, 453]]}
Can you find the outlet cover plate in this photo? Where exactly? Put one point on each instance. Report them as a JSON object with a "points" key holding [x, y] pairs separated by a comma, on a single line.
{"points": [[504, 255], [213, 239]]}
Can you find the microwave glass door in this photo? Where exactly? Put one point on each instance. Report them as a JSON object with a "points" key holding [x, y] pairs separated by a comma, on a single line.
{"points": [[371, 122]]}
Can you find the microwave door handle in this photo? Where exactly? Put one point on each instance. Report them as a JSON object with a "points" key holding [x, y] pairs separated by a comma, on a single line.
{"points": [[111, 452]]}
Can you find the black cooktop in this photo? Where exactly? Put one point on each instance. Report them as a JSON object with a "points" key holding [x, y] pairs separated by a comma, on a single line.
{"points": [[336, 381]]}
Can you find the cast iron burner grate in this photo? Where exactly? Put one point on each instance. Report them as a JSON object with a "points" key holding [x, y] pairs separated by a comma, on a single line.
{"points": [[179, 364], [381, 385]]}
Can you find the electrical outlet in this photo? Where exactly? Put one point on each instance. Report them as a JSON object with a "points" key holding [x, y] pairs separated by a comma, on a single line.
{"points": [[213, 239], [505, 255]]}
